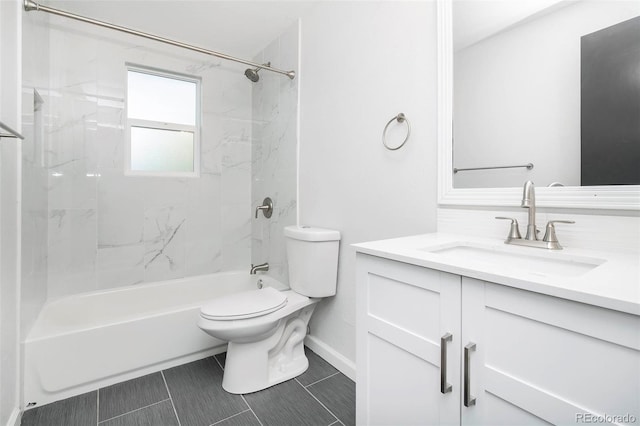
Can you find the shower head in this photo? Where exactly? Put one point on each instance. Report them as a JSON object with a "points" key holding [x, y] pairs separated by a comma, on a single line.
{"points": [[252, 73]]}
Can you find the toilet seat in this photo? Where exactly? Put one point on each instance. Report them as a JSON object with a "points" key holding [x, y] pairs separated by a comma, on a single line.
{"points": [[243, 305]]}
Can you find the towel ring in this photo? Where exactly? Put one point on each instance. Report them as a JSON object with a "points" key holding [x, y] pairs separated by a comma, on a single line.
{"points": [[401, 118]]}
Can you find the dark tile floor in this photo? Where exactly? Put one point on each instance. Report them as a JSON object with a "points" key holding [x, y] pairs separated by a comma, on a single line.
{"points": [[192, 395]]}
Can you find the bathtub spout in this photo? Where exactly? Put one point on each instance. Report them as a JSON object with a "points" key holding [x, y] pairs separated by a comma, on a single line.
{"points": [[261, 267]]}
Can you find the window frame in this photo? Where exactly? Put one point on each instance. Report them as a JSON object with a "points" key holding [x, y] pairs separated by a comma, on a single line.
{"points": [[160, 125]]}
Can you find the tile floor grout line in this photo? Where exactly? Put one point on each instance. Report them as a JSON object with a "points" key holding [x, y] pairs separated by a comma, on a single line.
{"points": [[318, 381], [254, 413], [216, 358], [98, 407], [237, 414], [133, 411], [314, 397], [166, 385]]}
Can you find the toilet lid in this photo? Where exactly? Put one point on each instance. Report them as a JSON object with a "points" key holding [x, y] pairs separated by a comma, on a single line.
{"points": [[246, 304]]}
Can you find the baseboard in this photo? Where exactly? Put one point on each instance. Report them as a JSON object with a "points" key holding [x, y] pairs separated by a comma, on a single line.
{"points": [[333, 357], [15, 418]]}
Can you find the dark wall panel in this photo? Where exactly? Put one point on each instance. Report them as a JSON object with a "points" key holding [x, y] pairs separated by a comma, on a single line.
{"points": [[610, 105]]}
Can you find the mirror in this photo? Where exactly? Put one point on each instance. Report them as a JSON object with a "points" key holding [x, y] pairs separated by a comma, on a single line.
{"points": [[510, 94]]}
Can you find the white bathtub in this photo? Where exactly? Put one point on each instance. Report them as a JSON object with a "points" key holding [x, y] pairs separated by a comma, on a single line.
{"points": [[87, 341]]}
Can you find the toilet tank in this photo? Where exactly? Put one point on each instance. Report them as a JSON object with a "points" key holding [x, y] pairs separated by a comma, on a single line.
{"points": [[313, 260]]}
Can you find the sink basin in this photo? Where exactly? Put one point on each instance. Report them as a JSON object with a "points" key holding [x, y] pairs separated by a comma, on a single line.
{"points": [[543, 264]]}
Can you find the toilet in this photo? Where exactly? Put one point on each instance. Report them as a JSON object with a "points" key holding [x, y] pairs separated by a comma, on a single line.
{"points": [[265, 327]]}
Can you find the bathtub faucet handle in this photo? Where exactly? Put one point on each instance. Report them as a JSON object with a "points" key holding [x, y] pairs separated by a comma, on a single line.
{"points": [[261, 267], [266, 208]]}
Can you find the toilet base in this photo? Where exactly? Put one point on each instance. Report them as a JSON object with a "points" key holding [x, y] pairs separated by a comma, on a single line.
{"points": [[250, 367]]}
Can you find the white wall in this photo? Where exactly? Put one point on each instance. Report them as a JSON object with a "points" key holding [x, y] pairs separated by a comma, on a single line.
{"points": [[10, 70], [363, 63], [10, 173], [517, 97]]}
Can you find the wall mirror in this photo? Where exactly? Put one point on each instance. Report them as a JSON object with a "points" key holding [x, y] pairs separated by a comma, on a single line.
{"points": [[514, 92]]}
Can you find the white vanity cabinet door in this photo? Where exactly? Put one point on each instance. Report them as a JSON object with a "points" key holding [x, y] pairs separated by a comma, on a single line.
{"points": [[403, 311], [540, 359]]}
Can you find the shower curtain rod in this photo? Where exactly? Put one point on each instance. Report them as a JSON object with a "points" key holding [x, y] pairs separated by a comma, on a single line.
{"points": [[31, 5]]}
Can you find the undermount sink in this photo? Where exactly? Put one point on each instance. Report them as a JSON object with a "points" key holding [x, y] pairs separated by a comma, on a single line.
{"points": [[543, 264]]}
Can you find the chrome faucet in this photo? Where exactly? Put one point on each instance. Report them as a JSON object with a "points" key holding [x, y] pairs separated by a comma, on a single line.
{"points": [[257, 268], [529, 202], [266, 208], [549, 241]]}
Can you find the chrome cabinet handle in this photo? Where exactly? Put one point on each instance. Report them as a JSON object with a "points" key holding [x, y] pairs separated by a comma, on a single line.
{"points": [[444, 386], [469, 400]]}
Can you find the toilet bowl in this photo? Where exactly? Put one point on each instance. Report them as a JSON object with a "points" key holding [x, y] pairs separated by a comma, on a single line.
{"points": [[266, 327]]}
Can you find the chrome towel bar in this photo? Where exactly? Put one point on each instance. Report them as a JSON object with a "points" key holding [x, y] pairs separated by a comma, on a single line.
{"points": [[529, 166], [10, 132]]}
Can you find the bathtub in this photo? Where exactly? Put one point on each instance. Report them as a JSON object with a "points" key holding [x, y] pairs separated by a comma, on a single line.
{"points": [[91, 340]]}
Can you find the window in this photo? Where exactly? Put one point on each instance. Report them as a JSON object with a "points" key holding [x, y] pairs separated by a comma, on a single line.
{"points": [[162, 132]]}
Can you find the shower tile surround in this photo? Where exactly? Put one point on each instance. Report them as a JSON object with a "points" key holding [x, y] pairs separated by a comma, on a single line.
{"points": [[106, 229], [193, 394], [274, 153], [35, 128]]}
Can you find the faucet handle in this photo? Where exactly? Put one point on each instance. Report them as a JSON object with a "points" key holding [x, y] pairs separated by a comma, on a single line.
{"points": [[514, 231], [266, 208], [550, 232]]}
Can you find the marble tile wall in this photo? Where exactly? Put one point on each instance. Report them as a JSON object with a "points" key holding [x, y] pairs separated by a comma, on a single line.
{"points": [[35, 113], [274, 152], [106, 229]]}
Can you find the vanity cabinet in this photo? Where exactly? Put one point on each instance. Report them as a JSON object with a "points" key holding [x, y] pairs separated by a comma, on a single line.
{"points": [[403, 312], [530, 358]]}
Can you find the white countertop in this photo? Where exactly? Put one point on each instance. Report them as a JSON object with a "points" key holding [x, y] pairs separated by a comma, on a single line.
{"points": [[610, 279]]}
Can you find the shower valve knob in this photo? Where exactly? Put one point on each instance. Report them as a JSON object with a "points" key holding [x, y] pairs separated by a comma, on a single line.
{"points": [[266, 208]]}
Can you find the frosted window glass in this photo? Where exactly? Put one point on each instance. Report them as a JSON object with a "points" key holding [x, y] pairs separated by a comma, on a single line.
{"points": [[159, 150], [155, 98]]}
